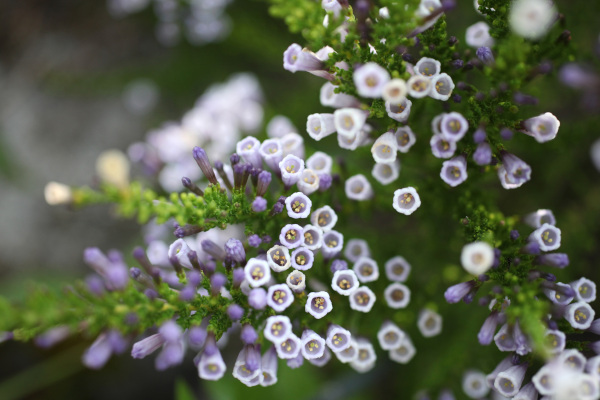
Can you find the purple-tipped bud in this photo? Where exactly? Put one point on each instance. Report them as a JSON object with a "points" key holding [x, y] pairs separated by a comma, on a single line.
{"points": [[248, 334], [254, 241], [151, 294], [204, 164], [277, 209], [95, 284], [235, 250], [456, 293], [98, 354], [171, 355], [531, 248], [325, 181], [210, 348], [135, 272], [483, 154], [479, 136], [264, 178], [266, 239], [238, 277], [488, 329], [52, 337], [506, 133], [556, 260], [456, 98], [197, 336], [458, 64], [338, 265], [252, 357], [217, 281], [188, 293], [497, 255], [259, 204], [234, 159], [485, 55], [194, 278], [189, 185], [257, 298], [525, 99], [514, 234], [147, 346], [213, 249], [235, 312]]}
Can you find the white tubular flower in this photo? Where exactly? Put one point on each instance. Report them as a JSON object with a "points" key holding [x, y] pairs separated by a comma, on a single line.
{"points": [[271, 153], [509, 382], [57, 193], [362, 299], [428, 67], [277, 329], [454, 171], [531, 19], [504, 339], [333, 242], [279, 297], [592, 366], [297, 59], [308, 182], [370, 80], [293, 144], [323, 360], [319, 126], [296, 281], [365, 361], [397, 269], [405, 139], [385, 173], [397, 295], [358, 188], [241, 372], [180, 250], [248, 148], [395, 91], [344, 282], [356, 248], [329, 98], [585, 290], [366, 269], [527, 392], [355, 141], [318, 304], [289, 348], [542, 128], [291, 168], [320, 163], [349, 121], [442, 148], [278, 258], [390, 336], [279, 126], [419, 86], [257, 272], [544, 380], [385, 148], [442, 87], [313, 345], [298, 205], [324, 218], [349, 353], [338, 339], [112, 167], [429, 322], [403, 353], [572, 359], [313, 237], [502, 366], [540, 217], [302, 259], [384, 13], [331, 6], [580, 315], [399, 111], [555, 341], [477, 257], [269, 367], [211, 368], [478, 35], [557, 296], [453, 126], [291, 236], [406, 200], [547, 236], [474, 384]]}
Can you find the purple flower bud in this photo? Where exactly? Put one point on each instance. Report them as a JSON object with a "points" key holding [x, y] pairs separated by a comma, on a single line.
{"points": [[248, 334], [264, 178], [235, 249], [117, 342], [170, 331], [52, 336], [204, 164], [457, 64], [95, 284], [254, 240], [98, 354], [497, 254], [338, 265], [531, 248], [556, 260], [485, 55], [488, 329], [235, 312], [234, 159], [257, 298], [217, 281], [514, 234], [252, 357], [238, 277], [189, 185], [277, 209], [147, 346], [456, 98], [483, 154], [171, 355], [135, 272], [187, 293], [197, 336], [213, 249], [266, 239], [524, 99], [259, 204], [325, 181], [479, 136], [506, 133], [456, 293], [151, 294]]}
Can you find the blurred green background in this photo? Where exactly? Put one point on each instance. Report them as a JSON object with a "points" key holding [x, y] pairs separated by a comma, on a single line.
{"points": [[63, 68]]}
